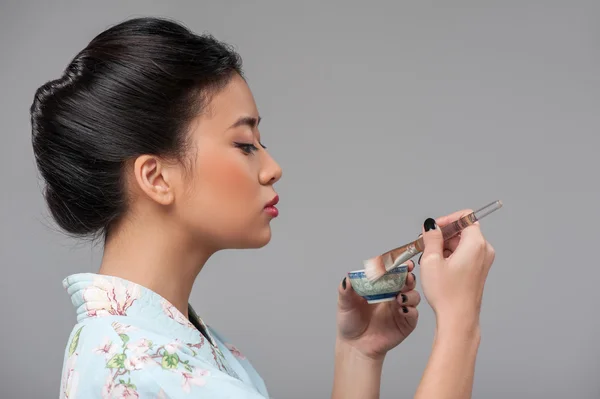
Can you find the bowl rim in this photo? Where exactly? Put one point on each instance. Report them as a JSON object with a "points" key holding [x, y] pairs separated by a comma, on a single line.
{"points": [[363, 270]]}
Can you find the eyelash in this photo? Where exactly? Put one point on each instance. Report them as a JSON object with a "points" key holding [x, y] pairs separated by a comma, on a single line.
{"points": [[248, 149]]}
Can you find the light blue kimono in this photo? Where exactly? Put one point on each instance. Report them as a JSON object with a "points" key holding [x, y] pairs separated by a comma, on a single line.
{"points": [[129, 342]]}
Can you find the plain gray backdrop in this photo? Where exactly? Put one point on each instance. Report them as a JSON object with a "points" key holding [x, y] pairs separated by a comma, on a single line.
{"points": [[381, 114]]}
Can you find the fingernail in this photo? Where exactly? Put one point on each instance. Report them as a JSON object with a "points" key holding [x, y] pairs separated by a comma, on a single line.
{"points": [[404, 309], [429, 224], [404, 298], [344, 283], [419, 261], [415, 277]]}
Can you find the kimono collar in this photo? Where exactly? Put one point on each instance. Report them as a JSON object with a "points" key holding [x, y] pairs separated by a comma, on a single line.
{"points": [[95, 295]]}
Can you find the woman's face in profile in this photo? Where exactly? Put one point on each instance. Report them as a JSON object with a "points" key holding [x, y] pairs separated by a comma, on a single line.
{"points": [[232, 175]]}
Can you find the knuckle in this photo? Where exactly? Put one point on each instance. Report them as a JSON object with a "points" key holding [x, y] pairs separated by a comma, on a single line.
{"points": [[481, 243], [491, 252]]}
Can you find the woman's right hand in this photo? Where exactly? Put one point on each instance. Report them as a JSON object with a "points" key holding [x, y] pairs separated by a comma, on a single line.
{"points": [[453, 273]]}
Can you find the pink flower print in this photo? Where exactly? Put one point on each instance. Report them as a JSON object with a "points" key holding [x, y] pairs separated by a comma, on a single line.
{"points": [[122, 391], [197, 345], [70, 378], [195, 378], [108, 349], [109, 297], [173, 347], [132, 363], [195, 348], [235, 351], [122, 328], [112, 390], [108, 387], [139, 357], [140, 347], [172, 312]]}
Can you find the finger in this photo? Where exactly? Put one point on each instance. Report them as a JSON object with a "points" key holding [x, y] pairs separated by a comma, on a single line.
{"points": [[348, 298], [452, 243], [472, 235], [411, 282], [432, 240], [490, 255], [471, 240], [446, 220], [411, 265], [411, 315], [410, 298], [449, 247]]}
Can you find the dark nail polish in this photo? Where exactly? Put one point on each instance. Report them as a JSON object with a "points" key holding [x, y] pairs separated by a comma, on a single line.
{"points": [[404, 309], [344, 283], [404, 298], [415, 277], [429, 224], [419, 261]]}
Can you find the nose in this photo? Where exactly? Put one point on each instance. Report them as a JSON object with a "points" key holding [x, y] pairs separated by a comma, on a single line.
{"points": [[271, 171]]}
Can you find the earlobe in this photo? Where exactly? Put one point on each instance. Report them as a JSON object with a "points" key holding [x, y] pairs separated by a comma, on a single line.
{"points": [[152, 178]]}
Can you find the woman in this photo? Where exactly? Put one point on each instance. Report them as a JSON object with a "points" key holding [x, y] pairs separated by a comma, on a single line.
{"points": [[150, 140]]}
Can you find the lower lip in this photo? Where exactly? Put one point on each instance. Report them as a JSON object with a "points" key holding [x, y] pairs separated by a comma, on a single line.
{"points": [[272, 211]]}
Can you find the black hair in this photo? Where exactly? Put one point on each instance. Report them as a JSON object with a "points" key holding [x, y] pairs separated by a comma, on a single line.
{"points": [[132, 91]]}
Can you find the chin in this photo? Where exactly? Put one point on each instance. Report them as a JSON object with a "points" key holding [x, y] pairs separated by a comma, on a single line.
{"points": [[254, 241], [260, 240]]}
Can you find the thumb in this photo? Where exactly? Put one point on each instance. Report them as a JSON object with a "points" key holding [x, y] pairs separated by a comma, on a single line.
{"points": [[348, 299], [433, 240]]}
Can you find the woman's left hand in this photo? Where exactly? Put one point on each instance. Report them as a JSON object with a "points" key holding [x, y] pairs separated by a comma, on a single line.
{"points": [[373, 330]]}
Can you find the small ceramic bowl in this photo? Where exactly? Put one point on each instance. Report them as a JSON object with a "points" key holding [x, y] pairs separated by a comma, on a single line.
{"points": [[382, 290]]}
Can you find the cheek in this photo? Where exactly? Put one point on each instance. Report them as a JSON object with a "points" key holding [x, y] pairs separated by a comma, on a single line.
{"points": [[226, 177]]}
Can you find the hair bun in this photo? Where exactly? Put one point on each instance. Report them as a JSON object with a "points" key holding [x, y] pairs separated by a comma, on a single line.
{"points": [[74, 189], [75, 70], [132, 90], [45, 94]]}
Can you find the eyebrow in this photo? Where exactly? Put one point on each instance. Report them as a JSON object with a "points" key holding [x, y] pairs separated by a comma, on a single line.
{"points": [[250, 121]]}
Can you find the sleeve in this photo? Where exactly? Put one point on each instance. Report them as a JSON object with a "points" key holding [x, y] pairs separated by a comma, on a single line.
{"points": [[200, 382], [112, 361]]}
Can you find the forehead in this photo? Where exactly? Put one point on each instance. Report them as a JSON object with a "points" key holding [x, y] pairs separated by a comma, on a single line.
{"points": [[231, 102]]}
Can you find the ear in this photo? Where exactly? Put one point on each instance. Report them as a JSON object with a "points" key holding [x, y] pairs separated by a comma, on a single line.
{"points": [[152, 177]]}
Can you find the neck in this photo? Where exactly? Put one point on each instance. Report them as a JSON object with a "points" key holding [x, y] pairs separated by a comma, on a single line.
{"points": [[162, 260]]}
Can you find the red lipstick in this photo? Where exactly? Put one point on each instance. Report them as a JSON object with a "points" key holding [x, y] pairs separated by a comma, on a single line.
{"points": [[270, 208]]}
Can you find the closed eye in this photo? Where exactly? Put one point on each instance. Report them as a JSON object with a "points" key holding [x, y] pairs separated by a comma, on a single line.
{"points": [[246, 148], [249, 148]]}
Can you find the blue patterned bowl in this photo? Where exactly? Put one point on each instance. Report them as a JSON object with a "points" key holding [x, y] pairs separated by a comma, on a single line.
{"points": [[382, 290]]}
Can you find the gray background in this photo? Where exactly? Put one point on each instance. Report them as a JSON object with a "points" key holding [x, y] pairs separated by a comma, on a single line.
{"points": [[381, 115]]}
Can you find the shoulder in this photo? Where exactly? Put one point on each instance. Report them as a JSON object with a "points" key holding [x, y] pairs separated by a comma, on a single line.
{"points": [[107, 358], [95, 351]]}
